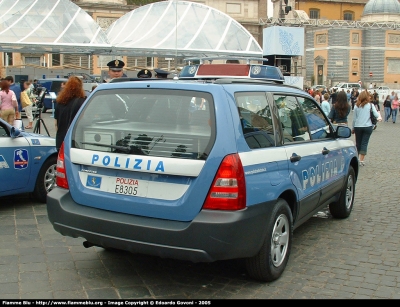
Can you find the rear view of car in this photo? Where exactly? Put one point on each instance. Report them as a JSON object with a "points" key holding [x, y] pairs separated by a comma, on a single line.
{"points": [[142, 164]]}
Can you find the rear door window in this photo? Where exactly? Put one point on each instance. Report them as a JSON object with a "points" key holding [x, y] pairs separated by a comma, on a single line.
{"points": [[165, 123], [293, 120], [256, 119]]}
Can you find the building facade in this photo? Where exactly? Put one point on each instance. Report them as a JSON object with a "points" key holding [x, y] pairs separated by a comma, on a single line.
{"points": [[347, 41], [322, 9]]}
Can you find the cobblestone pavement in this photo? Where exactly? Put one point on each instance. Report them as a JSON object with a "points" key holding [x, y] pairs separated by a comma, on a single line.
{"points": [[355, 258]]}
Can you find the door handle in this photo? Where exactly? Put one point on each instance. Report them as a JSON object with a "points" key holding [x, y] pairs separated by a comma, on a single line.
{"points": [[325, 151], [295, 158]]}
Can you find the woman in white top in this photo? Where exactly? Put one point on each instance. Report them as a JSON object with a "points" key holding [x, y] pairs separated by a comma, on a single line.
{"points": [[362, 125]]}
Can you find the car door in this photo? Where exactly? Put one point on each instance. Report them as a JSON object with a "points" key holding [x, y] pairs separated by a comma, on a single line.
{"points": [[303, 155], [14, 161], [328, 168]]}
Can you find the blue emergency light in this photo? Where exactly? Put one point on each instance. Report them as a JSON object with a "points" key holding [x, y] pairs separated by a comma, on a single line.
{"points": [[232, 68]]}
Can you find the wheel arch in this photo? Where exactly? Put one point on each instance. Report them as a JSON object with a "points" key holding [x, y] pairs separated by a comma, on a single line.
{"points": [[42, 182], [355, 165], [291, 199]]}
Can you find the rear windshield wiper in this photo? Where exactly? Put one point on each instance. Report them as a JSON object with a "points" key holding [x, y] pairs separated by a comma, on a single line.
{"points": [[134, 150], [124, 149]]}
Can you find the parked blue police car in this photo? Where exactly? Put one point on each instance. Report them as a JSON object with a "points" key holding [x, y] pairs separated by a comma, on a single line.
{"points": [[222, 167], [27, 162]]}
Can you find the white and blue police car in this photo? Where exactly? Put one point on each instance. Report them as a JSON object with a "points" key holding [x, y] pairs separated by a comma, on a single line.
{"points": [[223, 163], [27, 162]]}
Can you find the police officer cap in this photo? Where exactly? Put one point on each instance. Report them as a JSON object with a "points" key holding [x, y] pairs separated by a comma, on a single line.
{"points": [[116, 65], [161, 73], [144, 73]]}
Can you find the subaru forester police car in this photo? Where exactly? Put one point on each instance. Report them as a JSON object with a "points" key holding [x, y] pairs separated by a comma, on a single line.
{"points": [[27, 162], [223, 163]]}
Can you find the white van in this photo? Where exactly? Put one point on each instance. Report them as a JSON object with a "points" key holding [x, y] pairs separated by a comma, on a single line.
{"points": [[346, 86]]}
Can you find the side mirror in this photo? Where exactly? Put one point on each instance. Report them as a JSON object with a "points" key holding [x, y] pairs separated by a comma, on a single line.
{"points": [[343, 131], [14, 133]]}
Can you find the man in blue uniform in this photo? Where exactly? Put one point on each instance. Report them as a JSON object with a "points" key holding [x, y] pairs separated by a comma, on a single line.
{"points": [[115, 69], [144, 73], [161, 74]]}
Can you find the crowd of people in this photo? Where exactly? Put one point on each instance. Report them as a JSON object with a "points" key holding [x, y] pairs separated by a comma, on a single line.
{"points": [[337, 106], [15, 97]]}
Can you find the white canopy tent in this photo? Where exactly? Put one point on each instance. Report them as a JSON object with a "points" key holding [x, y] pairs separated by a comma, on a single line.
{"points": [[50, 26], [180, 29], [167, 28]]}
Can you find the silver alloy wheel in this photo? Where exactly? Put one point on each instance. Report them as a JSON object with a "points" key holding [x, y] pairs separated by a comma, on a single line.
{"points": [[280, 240], [349, 191], [50, 178]]}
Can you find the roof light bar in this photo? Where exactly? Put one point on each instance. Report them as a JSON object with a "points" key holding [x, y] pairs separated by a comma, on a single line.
{"points": [[242, 71]]}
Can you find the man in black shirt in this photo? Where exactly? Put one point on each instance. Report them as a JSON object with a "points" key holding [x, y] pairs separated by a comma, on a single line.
{"points": [[353, 97], [333, 96]]}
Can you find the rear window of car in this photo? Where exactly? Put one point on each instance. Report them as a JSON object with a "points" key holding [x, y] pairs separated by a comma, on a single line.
{"points": [[52, 85], [153, 122], [55, 86]]}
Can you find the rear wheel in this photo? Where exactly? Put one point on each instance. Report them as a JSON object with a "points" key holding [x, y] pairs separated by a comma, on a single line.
{"points": [[270, 262], [46, 179], [342, 208]]}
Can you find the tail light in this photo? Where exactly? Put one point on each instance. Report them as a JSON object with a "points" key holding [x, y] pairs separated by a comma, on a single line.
{"points": [[228, 190], [61, 174]]}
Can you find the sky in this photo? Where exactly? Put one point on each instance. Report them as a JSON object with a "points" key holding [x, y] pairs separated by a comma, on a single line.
{"points": [[269, 8]]}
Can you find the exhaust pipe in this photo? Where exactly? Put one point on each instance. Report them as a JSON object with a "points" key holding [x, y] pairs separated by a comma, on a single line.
{"points": [[87, 244]]}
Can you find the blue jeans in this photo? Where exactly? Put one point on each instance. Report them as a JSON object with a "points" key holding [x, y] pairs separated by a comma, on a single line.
{"points": [[362, 138], [394, 115], [387, 113]]}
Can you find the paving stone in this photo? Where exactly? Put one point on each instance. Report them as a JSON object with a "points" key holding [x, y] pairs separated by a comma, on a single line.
{"points": [[105, 293]]}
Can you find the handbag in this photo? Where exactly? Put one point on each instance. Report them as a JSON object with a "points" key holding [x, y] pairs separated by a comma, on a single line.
{"points": [[374, 120]]}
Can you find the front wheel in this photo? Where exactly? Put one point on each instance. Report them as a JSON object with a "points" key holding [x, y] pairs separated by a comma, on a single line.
{"points": [[270, 262], [342, 208], [46, 180]]}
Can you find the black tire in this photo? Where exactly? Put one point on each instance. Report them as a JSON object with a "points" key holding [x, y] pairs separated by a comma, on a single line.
{"points": [[342, 208], [270, 262], [46, 179]]}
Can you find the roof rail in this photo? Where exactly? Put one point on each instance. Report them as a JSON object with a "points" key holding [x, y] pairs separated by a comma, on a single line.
{"points": [[255, 81], [228, 58], [126, 79]]}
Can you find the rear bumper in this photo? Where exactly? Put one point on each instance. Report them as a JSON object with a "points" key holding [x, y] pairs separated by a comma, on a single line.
{"points": [[211, 236]]}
